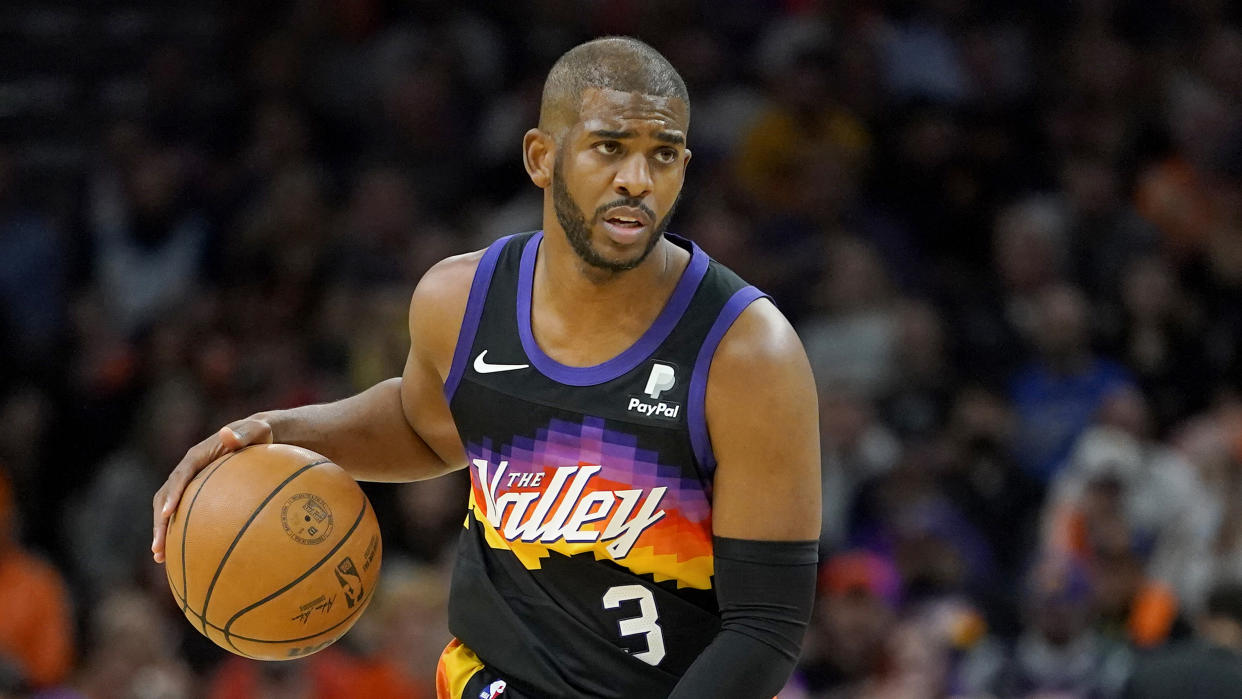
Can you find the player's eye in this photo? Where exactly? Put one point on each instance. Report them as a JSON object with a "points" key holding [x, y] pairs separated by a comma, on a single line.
{"points": [[608, 147], [666, 156]]}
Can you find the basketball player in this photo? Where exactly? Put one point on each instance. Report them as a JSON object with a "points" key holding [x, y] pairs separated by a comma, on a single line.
{"points": [[639, 425]]}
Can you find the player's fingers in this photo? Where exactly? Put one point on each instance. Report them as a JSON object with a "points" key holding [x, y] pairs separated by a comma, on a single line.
{"points": [[244, 433], [161, 511], [166, 498], [169, 495], [159, 531], [230, 438]]}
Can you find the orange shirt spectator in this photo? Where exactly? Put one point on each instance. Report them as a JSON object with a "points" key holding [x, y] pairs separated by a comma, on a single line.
{"points": [[35, 626]]}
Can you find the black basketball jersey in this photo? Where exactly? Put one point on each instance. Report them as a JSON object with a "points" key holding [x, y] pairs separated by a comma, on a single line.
{"points": [[585, 568]]}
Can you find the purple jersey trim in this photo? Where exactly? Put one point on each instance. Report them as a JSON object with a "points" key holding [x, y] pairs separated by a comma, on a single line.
{"points": [[632, 356], [474, 311], [696, 417]]}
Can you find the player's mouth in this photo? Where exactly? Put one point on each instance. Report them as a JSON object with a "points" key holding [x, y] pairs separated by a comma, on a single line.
{"points": [[626, 224]]}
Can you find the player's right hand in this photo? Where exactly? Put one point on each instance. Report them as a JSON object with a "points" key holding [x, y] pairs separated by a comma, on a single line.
{"points": [[230, 438]]}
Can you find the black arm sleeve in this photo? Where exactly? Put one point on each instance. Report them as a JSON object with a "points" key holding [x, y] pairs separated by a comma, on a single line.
{"points": [[765, 590]]}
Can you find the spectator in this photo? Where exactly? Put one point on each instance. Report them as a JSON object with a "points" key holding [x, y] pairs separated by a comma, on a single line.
{"points": [[724, 109], [27, 428], [907, 515], [852, 342], [917, 404], [1108, 232], [859, 594], [111, 543], [1057, 395], [1060, 652], [1211, 443], [856, 449], [1208, 666], [36, 623], [1133, 607], [804, 118], [376, 243], [150, 243], [34, 275], [922, 55], [1156, 492], [981, 478], [1161, 337], [132, 651], [916, 184], [1029, 245]]}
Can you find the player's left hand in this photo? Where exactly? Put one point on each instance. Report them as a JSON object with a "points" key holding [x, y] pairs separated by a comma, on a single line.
{"points": [[230, 438]]}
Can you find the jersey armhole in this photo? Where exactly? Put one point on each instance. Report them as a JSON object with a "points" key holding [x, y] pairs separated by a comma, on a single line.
{"points": [[696, 414], [474, 311]]}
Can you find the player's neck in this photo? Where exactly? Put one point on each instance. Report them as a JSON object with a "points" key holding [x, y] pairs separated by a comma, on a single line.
{"points": [[574, 281], [573, 302]]}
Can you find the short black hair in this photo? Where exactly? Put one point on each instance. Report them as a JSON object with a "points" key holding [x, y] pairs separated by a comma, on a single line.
{"points": [[614, 63]]}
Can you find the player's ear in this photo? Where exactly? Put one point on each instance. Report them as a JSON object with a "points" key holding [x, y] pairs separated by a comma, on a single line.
{"points": [[538, 155]]}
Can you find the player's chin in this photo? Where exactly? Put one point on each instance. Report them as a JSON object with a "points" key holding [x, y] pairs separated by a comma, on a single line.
{"points": [[620, 260]]}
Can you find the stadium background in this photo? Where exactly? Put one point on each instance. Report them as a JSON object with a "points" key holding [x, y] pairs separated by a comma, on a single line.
{"points": [[1010, 236]]}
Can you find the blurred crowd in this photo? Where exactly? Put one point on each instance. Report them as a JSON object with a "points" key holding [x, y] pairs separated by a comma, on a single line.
{"points": [[1009, 235]]}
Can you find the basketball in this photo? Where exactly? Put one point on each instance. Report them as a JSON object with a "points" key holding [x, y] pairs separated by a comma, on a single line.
{"points": [[273, 553]]}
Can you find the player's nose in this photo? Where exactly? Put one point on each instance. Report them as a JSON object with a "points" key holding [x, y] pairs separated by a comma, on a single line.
{"points": [[633, 179]]}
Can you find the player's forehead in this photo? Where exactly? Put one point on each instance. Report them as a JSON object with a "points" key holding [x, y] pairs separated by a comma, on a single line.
{"points": [[604, 109]]}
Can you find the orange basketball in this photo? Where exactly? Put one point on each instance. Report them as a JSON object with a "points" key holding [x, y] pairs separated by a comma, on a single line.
{"points": [[273, 552]]}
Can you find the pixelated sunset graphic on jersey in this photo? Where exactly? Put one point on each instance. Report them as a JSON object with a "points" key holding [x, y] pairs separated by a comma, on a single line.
{"points": [[578, 488]]}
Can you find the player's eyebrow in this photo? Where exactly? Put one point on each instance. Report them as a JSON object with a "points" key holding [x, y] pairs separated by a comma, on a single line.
{"points": [[665, 136]]}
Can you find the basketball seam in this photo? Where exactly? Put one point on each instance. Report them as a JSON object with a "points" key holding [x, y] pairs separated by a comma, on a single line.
{"points": [[185, 582], [224, 559], [217, 628], [362, 603], [358, 520]]}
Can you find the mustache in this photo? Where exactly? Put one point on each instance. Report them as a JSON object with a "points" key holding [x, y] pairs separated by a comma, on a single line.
{"points": [[626, 201]]}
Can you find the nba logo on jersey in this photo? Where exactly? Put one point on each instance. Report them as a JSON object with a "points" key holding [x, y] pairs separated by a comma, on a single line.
{"points": [[493, 690]]}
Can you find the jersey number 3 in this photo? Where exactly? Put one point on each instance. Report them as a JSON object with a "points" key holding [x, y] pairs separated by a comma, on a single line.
{"points": [[644, 623]]}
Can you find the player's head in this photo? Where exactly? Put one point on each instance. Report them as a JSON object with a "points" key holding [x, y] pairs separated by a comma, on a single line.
{"points": [[610, 149], [619, 63]]}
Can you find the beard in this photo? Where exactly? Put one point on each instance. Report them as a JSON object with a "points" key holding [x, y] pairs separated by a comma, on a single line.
{"points": [[578, 229]]}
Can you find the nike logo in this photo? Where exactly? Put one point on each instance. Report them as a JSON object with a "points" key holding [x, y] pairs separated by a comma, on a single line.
{"points": [[484, 368]]}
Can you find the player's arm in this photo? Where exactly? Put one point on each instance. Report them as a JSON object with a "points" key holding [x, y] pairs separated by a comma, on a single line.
{"points": [[400, 429], [762, 415], [397, 430]]}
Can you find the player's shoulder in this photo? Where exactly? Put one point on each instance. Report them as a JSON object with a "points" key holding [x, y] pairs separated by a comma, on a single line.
{"points": [[760, 351], [448, 281], [758, 334], [438, 304], [449, 278], [761, 334]]}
